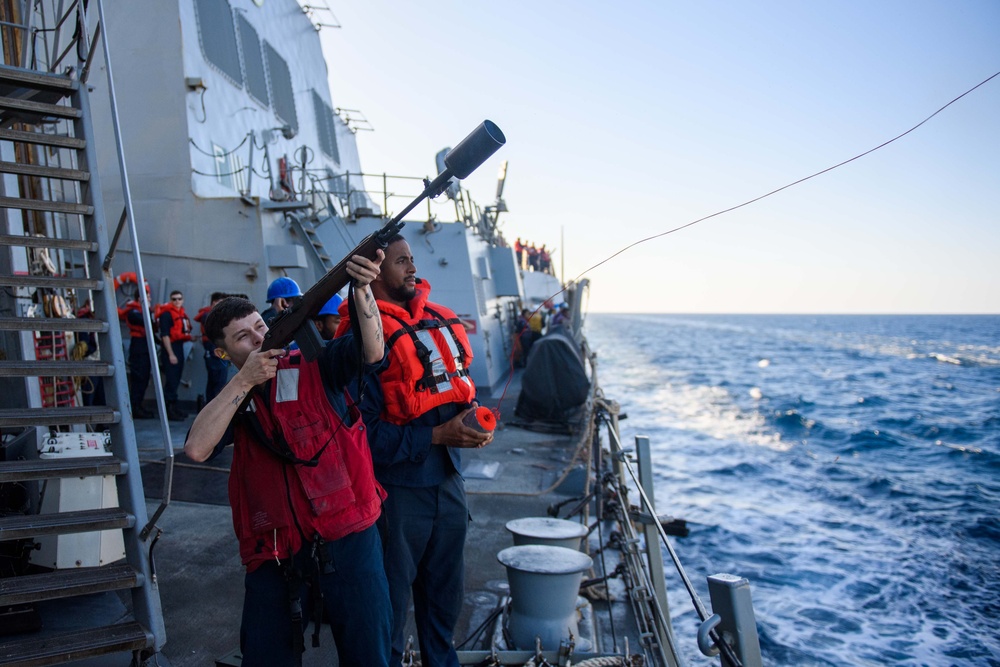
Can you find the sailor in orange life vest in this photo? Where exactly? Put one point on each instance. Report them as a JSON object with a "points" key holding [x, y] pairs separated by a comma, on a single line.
{"points": [[139, 366], [175, 330], [303, 492], [414, 416]]}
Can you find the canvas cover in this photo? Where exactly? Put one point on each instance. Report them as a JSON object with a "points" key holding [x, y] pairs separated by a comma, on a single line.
{"points": [[554, 385]]}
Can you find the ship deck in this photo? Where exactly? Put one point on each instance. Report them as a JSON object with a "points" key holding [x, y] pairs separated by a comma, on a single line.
{"points": [[197, 562]]}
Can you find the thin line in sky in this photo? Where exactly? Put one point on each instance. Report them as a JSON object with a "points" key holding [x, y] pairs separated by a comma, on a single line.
{"points": [[784, 187]]}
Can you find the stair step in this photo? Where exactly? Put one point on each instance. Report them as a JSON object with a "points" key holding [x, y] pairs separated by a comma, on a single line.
{"points": [[38, 469], [45, 368], [22, 526], [58, 649], [59, 416], [53, 282], [28, 78], [46, 205], [47, 242], [66, 583], [44, 171], [38, 109], [52, 324], [57, 140]]}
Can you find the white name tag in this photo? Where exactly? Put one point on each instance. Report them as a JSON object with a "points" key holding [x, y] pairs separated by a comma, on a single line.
{"points": [[288, 385]]}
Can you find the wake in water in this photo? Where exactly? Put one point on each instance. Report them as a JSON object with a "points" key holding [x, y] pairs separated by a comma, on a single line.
{"points": [[853, 478]]}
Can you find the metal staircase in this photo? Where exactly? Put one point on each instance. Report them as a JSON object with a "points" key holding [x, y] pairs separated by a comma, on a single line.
{"points": [[33, 104], [307, 229]]}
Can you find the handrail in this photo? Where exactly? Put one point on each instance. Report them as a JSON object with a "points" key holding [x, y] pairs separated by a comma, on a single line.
{"points": [[140, 281], [58, 29], [621, 455], [80, 38]]}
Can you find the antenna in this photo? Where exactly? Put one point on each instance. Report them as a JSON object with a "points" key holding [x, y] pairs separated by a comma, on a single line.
{"points": [[501, 178], [311, 10]]}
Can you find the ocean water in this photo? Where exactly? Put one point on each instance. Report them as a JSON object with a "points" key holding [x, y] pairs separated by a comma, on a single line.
{"points": [[847, 466]]}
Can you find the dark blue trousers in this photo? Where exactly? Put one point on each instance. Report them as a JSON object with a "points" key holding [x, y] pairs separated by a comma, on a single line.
{"points": [[217, 371], [139, 370], [172, 372], [355, 600], [424, 532]]}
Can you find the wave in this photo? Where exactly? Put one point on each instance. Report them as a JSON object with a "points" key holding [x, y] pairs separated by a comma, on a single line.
{"points": [[956, 359], [791, 424], [870, 440]]}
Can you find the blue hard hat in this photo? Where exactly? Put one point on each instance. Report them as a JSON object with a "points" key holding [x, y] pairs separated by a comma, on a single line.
{"points": [[284, 288], [331, 306]]}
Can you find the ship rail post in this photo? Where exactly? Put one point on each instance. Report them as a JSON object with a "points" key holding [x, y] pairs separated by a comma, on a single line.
{"points": [[654, 555]]}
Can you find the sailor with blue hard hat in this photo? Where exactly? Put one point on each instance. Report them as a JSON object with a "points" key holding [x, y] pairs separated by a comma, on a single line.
{"points": [[282, 293], [328, 318]]}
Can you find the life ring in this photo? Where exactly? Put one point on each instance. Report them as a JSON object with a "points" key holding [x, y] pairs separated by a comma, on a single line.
{"points": [[125, 278], [128, 278]]}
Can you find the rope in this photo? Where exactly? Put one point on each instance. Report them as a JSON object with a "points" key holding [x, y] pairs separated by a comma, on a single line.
{"points": [[606, 661], [82, 383]]}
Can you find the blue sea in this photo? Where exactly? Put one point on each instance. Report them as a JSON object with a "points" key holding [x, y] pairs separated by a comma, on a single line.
{"points": [[847, 466]]}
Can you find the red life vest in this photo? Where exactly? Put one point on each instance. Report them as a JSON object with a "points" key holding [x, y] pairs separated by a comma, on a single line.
{"points": [[134, 330], [200, 319], [180, 330], [429, 357], [278, 504]]}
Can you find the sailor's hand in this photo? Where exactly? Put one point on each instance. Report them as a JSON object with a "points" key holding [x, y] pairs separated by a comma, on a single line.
{"points": [[260, 367], [364, 270], [453, 433]]}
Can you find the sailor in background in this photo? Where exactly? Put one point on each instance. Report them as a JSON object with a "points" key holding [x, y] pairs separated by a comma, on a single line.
{"points": [[303, 492], [139, 366], [414, 412], [282, 293], [328, 319], [216, 369], [175, 330]]}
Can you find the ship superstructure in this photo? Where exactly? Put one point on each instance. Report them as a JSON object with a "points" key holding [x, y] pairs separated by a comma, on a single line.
{"points": [[242, 170]]}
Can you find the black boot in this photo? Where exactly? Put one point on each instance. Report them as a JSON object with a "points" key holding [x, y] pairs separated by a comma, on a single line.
{"points": [[174, 414]]}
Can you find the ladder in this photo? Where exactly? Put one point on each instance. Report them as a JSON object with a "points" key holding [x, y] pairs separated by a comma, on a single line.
{"points": [[32, 102], [307, 229]]}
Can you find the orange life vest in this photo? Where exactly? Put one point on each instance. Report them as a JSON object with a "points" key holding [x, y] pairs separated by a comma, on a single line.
{"points": [[134, 330], [429, 357], [180, 330], [278, 503], [200, 319]]}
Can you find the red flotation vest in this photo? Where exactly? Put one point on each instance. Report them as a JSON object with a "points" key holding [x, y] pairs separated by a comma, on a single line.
{"points": [[180, 330], [134, 330], [331, 491], [429, 357], [200, 319]]}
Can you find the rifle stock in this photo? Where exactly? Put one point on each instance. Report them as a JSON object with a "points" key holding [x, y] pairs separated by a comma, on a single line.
{"points": [[296, 323]]}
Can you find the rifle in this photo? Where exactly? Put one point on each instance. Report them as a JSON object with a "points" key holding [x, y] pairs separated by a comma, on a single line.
{"points": [[295, 323]]}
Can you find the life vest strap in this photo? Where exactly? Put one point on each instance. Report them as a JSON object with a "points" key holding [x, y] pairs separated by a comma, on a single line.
{"points": [[430, 383]]}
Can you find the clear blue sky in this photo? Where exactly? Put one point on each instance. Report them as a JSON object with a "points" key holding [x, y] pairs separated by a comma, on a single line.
{"points": [[627, 119]]}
